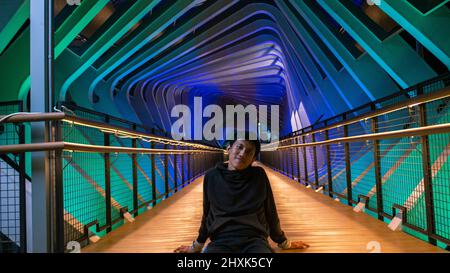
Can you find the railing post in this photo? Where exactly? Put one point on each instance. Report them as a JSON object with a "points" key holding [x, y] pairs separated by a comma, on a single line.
{"points": [[305, 164], [175, 170], [348, 165], [377, 166], [329, 174], [276, 160], [204, 162], [280, 161], [316, 172], [22, 189], [280, 155], [59, 197], [297, 159], [152, 159], [197, 167], [135, 178], [285, 162], [427, 176], [107, 142], [196, 164], [272, 158], [291, 153], [193, 166], [200, 161], [182, 169], [189, 171], [166, 173]]}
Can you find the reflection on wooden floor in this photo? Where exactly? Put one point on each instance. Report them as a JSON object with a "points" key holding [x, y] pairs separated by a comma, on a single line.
{"points": [[326, 225]]}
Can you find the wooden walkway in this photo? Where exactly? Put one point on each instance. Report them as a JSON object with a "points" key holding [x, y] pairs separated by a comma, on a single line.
{"points": [[326, 225]]}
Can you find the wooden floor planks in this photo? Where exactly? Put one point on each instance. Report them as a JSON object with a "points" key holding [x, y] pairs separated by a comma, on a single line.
{"points": [[327, 225]]}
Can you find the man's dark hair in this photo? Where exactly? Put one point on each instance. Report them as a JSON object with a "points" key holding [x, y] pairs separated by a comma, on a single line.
{"points": [[247, 137]]}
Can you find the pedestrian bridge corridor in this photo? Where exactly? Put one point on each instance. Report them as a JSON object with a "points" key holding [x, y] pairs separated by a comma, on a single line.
{"points": [[378, 181], [111, 112], [327, 225]]}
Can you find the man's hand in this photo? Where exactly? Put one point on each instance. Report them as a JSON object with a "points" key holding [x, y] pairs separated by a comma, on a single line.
{"points": [[196, 247], [185, 249], [298, 245], [293, 245]]}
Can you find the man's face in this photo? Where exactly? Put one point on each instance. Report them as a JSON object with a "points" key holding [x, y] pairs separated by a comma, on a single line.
{"points": [[241, 155]]}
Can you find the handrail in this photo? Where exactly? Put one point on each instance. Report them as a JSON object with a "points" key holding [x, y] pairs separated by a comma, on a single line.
{"points": [[61, 116], [421, 131], [33, 117], [68, 146], [32, 147], [426, 98]]}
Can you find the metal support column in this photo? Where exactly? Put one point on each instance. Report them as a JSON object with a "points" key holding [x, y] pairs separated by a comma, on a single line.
{"points": [[41, 66]]}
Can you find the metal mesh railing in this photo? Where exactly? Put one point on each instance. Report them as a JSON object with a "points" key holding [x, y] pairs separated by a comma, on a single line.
{"points": [[83, 192], [440, 172], [102, 191], [377, 158], [105, 171], [12, 185]]}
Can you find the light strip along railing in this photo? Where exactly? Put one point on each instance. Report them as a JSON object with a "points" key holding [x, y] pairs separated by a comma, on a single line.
{"points": [[121, 132], [395, 161], [75, 147], [105, 175], [423, 131], [127, 127]]}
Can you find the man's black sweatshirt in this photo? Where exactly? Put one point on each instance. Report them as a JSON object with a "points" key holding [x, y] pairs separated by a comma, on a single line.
{"points": [[238, 202]]}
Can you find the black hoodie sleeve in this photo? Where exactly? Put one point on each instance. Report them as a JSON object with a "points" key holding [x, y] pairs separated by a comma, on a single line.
{"points": [[203, 230], [276, 233]]}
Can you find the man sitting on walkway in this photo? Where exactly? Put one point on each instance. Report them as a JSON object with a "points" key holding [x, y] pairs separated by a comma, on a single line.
{"points": [[239, 211]]}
